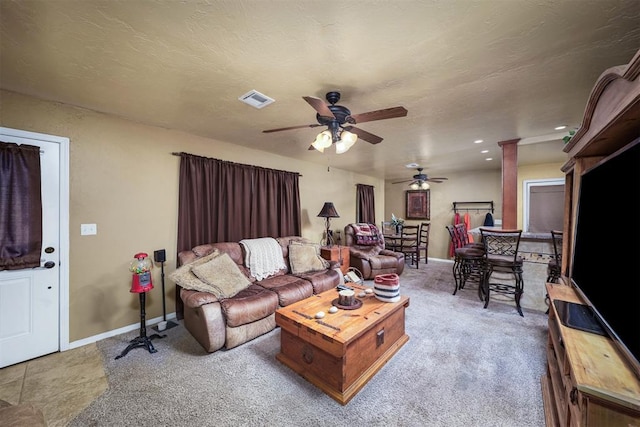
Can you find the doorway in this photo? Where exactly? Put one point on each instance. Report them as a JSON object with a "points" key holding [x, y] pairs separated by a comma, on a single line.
{"points": [[34, 303]]}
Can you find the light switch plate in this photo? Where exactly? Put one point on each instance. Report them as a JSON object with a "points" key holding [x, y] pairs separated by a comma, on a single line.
{"points": [[88, 229]]}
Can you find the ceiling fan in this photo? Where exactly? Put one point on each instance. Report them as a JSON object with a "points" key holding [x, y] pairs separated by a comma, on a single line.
{"points": [[420, 180], [339, 120]]}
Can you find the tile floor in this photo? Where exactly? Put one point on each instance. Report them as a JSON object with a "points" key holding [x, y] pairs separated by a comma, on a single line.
{"points": [[60, 384]]}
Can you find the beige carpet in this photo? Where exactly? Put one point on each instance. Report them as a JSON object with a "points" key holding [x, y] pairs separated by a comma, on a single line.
{"points": [[463, 366]]}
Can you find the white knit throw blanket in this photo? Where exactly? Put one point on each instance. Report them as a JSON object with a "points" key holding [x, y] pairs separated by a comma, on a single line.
{"points": [[263, 256]]}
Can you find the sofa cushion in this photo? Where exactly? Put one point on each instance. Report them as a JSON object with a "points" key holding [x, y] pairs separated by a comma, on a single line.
{"points": [[251, 304], [184, 277], [305, 258], [289, 288], [222, 275], [323, 280]]}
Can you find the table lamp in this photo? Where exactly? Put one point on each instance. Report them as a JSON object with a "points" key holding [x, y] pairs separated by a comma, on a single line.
{"points": [[328, 211]]}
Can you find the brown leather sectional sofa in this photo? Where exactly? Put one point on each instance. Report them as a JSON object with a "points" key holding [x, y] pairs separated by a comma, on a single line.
{"points": [[230, 322]]}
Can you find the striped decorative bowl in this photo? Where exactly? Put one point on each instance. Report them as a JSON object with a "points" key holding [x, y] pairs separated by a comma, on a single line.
{"points": [[386, 287]]}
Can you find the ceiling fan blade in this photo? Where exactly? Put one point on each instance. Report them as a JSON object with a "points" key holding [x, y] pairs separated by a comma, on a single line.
{"points": [[363, 134], [387, 113], [402, 182], [319, 105], [292, 127], [437, 179]]}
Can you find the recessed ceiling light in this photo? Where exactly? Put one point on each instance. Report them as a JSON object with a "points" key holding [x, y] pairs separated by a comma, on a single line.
{"points": [[489, 158], [484, 151], [478, 141], [560, 127]]}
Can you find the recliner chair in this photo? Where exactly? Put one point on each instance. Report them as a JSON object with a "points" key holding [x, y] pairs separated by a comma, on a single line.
{"points": [[367, 252]]}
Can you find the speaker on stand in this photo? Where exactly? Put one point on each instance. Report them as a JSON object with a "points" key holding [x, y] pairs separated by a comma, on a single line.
{"points": [[160, 256]]}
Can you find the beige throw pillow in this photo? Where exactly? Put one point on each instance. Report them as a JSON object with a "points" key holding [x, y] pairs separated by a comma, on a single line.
{"points": [[183, 276], [222, 275], [305, 258]]}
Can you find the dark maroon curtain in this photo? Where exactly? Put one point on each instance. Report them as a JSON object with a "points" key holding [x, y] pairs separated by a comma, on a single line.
{"points": [[221, 201], [276, 204], [20, 206], [365, 204]]}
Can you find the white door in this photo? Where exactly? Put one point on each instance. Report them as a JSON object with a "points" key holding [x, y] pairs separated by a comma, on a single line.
{"points": [[30, 298]]}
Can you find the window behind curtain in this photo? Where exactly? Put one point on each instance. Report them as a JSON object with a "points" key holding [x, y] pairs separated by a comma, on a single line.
{"points": [[543, 206], [20, 206]]}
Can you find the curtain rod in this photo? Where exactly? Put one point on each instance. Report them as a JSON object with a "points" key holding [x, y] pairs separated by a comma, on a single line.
{"points": [[179, 154]]}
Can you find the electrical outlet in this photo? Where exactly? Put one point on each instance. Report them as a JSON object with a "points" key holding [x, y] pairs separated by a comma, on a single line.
{"points": [[88, 229]]}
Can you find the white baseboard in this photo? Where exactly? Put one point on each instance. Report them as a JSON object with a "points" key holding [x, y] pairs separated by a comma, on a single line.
{"points": [[124, 329]]}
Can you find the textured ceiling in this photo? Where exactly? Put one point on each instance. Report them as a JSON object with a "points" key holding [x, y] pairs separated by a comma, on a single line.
{"points": [[464, 69]]}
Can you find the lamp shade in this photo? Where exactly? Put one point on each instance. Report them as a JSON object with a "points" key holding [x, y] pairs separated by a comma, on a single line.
{"points": [[322, 141], [328, 211]]}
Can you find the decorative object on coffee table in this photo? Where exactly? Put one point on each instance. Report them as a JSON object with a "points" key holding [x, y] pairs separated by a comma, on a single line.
{"points": [[387, 287]]}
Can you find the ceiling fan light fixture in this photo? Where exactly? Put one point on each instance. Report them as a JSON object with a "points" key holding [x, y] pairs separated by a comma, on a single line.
{"points": [[323, 140], [420, 185], [347, 139]]}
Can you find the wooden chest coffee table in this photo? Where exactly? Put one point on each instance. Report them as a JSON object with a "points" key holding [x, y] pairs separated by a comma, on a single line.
{"points": [[343, 351]]}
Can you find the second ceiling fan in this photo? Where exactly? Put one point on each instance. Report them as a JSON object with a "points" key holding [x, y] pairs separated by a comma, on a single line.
{"points": [[339, 122], [420, 180]]}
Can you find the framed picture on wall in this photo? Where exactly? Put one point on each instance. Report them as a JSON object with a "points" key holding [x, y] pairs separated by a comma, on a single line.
{"points": [[418, 204]]}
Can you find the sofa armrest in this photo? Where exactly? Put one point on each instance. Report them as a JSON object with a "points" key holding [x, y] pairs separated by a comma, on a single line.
{"points": [[334, 265], [195, 299], [388, 252]]}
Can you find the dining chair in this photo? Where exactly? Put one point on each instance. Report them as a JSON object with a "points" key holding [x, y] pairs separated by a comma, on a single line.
{"points": [[463, 236], [409, 244], [390, 238], [467, 262], [501, 257], [554, 267], [423, 240]]}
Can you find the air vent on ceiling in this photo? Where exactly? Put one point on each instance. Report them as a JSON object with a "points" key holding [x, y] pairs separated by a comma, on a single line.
{"points": [[256, 99]]}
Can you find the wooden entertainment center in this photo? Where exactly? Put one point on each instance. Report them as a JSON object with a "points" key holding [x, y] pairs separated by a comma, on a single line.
{"points": [[588, 381]]}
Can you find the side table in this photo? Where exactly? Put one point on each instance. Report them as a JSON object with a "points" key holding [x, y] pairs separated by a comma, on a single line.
{"points": [[337, 253]]}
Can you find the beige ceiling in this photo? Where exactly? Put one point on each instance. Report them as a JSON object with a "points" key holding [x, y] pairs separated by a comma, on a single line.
{"points": [[465, 70]]}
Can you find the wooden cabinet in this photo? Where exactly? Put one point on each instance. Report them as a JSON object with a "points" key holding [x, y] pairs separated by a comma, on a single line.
{"points": [[587, 382], [337, 253]]}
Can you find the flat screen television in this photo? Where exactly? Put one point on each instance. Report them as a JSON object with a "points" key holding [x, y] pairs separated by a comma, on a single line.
{"points": [[606, 255]]}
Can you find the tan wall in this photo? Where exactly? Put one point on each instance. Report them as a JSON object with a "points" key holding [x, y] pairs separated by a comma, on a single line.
{"points": [[460, 187], [124, 178]]}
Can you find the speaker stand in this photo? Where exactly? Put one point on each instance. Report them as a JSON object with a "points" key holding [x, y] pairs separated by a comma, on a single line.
{"points": [[169, 323]]}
